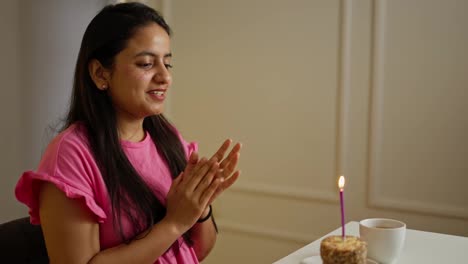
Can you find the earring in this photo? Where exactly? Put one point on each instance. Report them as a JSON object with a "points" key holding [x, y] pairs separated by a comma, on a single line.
{"points": [[104, 86]]}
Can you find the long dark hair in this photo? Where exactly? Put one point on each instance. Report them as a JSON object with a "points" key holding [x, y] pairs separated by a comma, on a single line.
{"points": [[106, 36]]}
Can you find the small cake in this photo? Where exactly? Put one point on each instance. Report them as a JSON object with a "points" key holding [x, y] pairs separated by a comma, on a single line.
{"points": [[335, 250]]}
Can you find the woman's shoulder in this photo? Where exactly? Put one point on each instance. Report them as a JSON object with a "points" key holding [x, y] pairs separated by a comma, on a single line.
{"points": [[71, 143], [74, 135], [68, 163]]}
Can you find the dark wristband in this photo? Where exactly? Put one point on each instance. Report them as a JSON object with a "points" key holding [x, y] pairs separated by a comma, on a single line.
{"points": [[201, 220]]}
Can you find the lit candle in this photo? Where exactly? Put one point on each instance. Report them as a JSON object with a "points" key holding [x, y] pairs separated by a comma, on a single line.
{"points": [[341, 183]]}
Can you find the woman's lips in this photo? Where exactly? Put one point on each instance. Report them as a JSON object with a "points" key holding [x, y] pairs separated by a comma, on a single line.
{"points": [[158, 94]]}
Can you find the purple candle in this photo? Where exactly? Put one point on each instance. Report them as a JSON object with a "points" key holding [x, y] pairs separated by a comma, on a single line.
{"points": [[341, 183]]}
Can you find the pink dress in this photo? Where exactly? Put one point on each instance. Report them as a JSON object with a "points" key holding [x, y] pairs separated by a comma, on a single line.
{"points": [[69, 164]]}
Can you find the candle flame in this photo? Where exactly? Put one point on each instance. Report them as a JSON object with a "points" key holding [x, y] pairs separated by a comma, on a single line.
{"points": [[341, 182]]}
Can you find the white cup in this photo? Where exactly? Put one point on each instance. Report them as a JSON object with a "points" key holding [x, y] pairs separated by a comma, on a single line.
{"points": [[384, 237]]}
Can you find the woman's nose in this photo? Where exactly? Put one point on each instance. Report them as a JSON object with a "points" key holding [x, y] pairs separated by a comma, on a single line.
{"points": [[163, 75]]}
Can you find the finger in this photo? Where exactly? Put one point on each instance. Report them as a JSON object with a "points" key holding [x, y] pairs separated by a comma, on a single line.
{"points": [[175, 183], [178, 179], [231, 155], [225, 185], [226, 172], [199, 172], [207, 179], [207, 197], [192, 161], [231, 180], [222, 150], [191, 170]]}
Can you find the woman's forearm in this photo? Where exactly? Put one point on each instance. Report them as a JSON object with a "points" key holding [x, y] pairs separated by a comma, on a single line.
{"points": [[143, 250], [204, 237]]}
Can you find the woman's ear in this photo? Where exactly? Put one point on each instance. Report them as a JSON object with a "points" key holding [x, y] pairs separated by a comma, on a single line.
{"points": [[99, 74]]}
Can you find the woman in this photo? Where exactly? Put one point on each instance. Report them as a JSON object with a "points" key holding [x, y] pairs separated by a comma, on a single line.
{"points": [[119, 184]]}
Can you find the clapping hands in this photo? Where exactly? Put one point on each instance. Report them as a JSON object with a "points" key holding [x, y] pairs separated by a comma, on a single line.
{"points": [[202, 181], [227, 168]]}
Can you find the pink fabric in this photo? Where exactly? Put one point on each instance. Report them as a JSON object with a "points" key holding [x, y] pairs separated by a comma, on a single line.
{"points": [[69, 164]]}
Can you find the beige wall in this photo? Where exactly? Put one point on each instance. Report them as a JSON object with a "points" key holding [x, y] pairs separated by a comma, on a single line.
{"points": [[314, 89], [10, 109], [39, 45]]}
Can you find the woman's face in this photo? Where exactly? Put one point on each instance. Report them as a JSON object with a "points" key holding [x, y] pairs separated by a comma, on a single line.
{"points": [[140, 76]]}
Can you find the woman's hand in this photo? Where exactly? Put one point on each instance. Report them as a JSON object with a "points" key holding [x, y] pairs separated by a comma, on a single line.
{"points": [[227, 168], [191, 192]]}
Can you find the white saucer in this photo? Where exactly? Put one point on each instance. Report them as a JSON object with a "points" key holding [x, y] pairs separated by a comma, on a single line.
{"points": [[318, 260], [312, 260]]}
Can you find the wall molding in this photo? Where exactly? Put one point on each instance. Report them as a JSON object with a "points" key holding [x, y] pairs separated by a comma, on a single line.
{"points": [[414, 206], [285, 192], [374, 198], [342, 124], [265, 232]]}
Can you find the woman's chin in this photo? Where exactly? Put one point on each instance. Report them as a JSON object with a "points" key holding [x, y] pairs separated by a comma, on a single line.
{"points": [[154, 112]]}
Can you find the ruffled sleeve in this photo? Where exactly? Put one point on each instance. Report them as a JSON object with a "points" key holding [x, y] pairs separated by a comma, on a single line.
{"points": [[189, 147], [69, 165]]}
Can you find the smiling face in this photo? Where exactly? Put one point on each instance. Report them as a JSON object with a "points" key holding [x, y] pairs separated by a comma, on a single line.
{"points": [[140, 76]]}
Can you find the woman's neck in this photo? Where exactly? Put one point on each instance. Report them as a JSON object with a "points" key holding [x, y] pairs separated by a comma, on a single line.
{"points": [[130, 130]]}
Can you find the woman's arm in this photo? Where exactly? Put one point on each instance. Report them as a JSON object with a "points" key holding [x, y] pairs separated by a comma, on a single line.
{"points": [[72, 234], [203, 236]]}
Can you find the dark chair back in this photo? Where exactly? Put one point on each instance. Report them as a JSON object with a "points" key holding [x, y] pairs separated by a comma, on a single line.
{"points": [[21, 242]]}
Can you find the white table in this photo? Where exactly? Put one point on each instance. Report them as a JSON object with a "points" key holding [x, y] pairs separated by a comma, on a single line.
{"points": [[420, 247]]}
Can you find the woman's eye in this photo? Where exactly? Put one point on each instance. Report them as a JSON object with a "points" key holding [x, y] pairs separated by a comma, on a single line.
{"points": [[145, 65], [168, 66]]}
